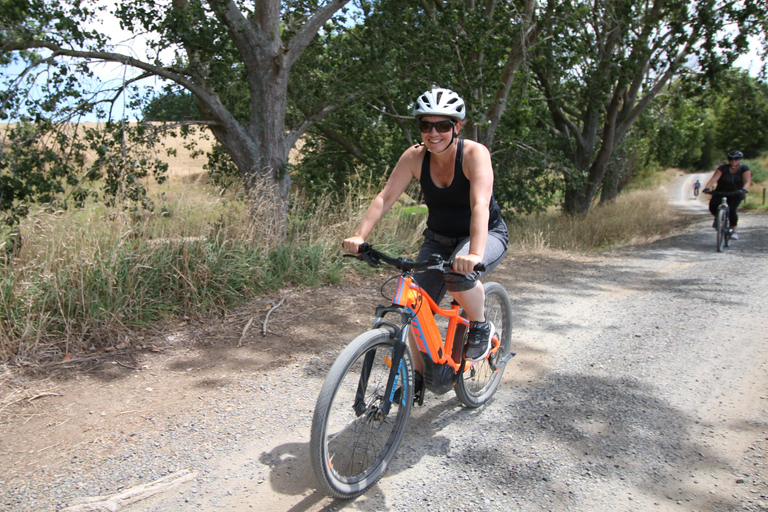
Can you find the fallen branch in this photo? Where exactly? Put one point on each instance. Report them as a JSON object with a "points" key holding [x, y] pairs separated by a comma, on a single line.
{"points": [[266, 319], [132, 495], [41, 395], [245, 330], [26, 399]]}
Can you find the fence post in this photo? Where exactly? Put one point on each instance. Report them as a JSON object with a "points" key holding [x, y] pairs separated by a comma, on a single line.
{"points": [[763, 196]]}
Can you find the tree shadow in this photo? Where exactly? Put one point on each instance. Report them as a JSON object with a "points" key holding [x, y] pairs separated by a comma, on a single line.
{"points": [[568, 427]]}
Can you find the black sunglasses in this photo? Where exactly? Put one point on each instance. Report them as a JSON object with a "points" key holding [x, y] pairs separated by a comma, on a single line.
{"points": [[440, 126], [730, 158]]}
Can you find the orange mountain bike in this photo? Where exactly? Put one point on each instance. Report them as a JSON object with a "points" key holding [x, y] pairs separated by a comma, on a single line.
{"points": [[365, 403]]}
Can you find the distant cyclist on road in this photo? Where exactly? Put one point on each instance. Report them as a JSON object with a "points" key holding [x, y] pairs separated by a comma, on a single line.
{"points": [[731, 177], [696, 188]]}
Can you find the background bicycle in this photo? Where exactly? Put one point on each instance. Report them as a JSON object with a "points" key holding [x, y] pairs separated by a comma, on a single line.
{"points": [[722, 222]]}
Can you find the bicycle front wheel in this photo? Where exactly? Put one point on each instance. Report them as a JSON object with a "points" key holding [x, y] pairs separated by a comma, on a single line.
{"points": [[721, 224], [352, 443], [479, 381]]}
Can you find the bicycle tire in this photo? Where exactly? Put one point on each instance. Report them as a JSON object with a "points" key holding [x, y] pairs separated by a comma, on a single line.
{"points": [[350, 452], [721, 225], [477, 384]]}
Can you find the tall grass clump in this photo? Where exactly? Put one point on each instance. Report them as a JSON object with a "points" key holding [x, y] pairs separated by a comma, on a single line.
{"points": [[86, 279], [759, 168], [635, 217]]}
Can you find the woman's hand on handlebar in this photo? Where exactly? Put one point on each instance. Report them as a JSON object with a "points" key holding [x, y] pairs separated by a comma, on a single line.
{"points": [[465, 263], [352, 244]]}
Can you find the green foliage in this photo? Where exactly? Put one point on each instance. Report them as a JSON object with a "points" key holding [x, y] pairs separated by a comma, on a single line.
{"points": [[172, 106], [61, 165], [694, 128], [759, 170], [742, 115]]}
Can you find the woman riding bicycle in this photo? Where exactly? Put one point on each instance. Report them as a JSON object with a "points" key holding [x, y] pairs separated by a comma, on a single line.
{"points": [[731, 177], [464, 221]]}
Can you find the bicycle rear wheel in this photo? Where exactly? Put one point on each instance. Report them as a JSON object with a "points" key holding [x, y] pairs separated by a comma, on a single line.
{"points": [[479, 381], [351, 445], [721, 224]]}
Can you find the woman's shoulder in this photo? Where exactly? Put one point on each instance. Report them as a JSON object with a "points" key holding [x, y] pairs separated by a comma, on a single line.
{"points": [[414, 154], [412, 158], [415, 150], [473, 149]]}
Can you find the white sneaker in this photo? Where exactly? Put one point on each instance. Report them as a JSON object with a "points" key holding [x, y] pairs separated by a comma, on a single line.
{"points": [[734, 236]]}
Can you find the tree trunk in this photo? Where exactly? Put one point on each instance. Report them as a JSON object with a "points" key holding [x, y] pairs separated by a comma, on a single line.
{"points": [[577, 198], [258, 151], [610, 189]]}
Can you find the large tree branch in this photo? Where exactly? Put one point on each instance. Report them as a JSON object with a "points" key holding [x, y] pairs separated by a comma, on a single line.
{"points": [[563, 125], [225, 126], [309, 30], [295, 134], [105, 56], [632, 110], [248, 36], [515, 58], [342, 141], [400, 120]]}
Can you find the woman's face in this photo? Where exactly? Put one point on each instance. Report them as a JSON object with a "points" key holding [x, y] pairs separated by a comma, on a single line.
{"points": [[734, 162], [434, 138]]}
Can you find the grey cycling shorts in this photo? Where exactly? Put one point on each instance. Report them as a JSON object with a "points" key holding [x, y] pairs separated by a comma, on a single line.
{"points": [[448, 248]]}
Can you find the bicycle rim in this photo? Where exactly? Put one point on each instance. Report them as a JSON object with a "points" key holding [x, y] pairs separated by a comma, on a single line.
{"points": [[720, 225], [479, 381], [351, 450]]}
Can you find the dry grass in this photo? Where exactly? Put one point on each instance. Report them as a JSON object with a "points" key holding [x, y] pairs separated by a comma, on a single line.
{"points": [[636, 217]]}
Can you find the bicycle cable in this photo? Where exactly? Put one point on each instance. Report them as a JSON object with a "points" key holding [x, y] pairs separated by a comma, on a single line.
{"points": [[420, 300]]}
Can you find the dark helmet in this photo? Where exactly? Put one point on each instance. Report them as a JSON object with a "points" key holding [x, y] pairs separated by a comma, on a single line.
{"points": [[735, 155]]}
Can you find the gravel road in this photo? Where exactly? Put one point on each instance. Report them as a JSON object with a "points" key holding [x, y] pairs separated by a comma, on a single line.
{"points": [[639, 384]]}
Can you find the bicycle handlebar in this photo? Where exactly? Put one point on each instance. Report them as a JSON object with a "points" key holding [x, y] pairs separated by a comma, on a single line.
{"points": [[374, 258], [724, 192]]}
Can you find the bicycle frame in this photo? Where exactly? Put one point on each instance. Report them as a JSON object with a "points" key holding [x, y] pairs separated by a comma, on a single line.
{"points": [[724, 205], [418, 317], [424, 327], [724, 228]]}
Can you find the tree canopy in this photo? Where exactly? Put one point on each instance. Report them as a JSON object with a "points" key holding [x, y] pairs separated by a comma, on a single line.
{"points": [[554, 88]]}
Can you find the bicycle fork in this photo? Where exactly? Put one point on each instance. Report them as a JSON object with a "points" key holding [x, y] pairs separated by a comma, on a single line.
{"points": [[396, 368]]}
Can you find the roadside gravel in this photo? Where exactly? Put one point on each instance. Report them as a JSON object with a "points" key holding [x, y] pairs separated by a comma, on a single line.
{"points": [[639, 384]]}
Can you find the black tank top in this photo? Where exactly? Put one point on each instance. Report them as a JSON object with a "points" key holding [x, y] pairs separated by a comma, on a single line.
{"points": [[449, 208], [731, 182]]}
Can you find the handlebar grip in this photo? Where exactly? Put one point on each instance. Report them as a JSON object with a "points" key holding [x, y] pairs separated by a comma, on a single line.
{"points": [[480, 267]]}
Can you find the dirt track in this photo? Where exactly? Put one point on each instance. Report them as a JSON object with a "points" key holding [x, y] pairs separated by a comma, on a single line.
{"points": [[640, 384]]}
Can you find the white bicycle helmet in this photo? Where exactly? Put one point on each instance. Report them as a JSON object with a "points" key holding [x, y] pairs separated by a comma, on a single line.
{"points": [[440, 102]]}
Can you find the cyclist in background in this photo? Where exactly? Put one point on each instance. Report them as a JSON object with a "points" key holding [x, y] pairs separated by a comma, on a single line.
{"points": [[731, 177], [696, 187], [464, 221]]}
